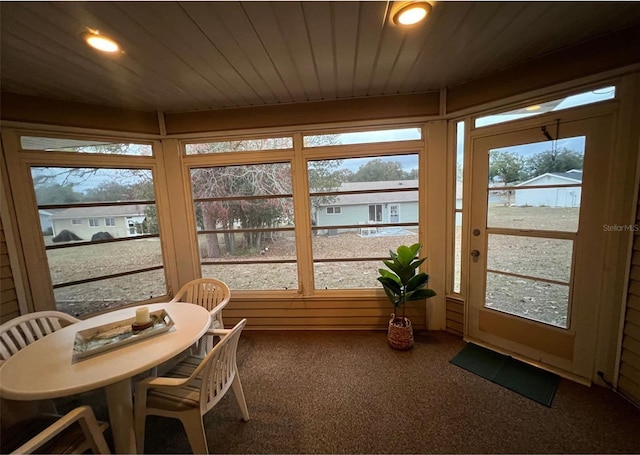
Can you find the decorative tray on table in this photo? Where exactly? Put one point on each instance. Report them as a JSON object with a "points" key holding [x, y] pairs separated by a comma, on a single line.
{"points": [[115, 334]]}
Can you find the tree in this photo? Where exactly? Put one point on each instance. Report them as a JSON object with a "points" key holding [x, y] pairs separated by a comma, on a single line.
{"points": [[507, 167], [57, 193], [560, 160], [377, 170], [411, 175], [111, 192], [325, 176], [244, 180]]}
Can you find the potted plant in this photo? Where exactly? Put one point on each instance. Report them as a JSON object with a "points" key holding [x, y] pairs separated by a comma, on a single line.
{"points": [[402, 283]]}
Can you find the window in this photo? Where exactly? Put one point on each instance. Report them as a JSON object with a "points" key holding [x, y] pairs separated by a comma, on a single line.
{"points": [[375, 213], [57, 144], [581, 99], [363, 137], [347, 250], [457, 224], [89, 276], [245, 225], [245, 208], [270, 143]]}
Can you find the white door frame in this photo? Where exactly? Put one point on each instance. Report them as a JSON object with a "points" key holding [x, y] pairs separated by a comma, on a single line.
{"points": [[570, 351]]}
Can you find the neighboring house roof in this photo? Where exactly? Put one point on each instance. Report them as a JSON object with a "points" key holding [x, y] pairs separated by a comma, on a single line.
{"points": [[570, 177], [379, 198], [96, 212]]}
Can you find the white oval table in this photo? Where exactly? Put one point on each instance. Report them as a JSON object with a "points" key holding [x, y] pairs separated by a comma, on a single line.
{"points": [[45, 369]]}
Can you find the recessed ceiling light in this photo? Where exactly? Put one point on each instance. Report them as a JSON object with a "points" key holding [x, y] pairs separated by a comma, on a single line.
{"points": [[535, 107], [101, 42], [411, 13]]}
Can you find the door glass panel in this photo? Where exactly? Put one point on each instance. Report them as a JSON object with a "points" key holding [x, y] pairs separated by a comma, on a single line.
{"points": [[539, 218], [530, 256], [528, 298], [536, 186]]}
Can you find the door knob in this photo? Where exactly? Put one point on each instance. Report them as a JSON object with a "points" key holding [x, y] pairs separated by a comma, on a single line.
{"points": [[475, 254]]}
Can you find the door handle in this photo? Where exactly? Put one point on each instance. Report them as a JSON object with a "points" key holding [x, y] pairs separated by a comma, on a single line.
{"points": [[475, 254]]}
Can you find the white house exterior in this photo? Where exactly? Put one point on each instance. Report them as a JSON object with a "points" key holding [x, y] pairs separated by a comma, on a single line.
{"points": [[371, 208], [566, 190], [119, 221], [45, 220]]}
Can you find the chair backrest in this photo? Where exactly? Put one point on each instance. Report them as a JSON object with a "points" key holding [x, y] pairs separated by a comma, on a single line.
{"points": [[75, 432], [218, 368], [24, 330], [209, 293]]}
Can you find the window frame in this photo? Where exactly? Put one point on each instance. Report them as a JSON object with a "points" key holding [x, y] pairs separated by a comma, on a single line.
{"points": [[299, 157], [41, 297]]}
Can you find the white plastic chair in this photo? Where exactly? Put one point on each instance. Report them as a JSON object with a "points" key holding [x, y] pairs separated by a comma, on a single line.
{"points": [[19, 332], [211, 294], [189, 390], [75, 432]]}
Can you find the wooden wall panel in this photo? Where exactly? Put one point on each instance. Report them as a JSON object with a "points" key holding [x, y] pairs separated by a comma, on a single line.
{"points": [[629, 375], [352, 110], [617, 50], [455, 316], [9, 307], [33, 109], [312, 314]]}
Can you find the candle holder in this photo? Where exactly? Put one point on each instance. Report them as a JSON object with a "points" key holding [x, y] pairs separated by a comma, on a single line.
{"points": [[137, 326]]}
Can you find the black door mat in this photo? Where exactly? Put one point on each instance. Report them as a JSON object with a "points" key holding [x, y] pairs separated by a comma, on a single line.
{"points": [[529, 381]]}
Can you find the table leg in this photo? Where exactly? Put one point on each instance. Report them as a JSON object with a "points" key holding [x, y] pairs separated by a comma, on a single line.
{"points": [[120, 404]]}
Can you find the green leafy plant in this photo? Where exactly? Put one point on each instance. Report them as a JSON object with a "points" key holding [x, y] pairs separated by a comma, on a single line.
{"points": [[402, 282]]}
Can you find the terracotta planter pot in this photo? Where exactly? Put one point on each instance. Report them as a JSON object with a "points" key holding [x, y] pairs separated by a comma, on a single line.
{"points": [[400, 336]]}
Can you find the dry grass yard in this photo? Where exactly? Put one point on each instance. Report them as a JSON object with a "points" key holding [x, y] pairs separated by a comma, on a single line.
{"points": [[545, 258]]}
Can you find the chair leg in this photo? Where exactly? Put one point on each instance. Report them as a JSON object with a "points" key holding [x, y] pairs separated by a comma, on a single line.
{"points": [[194, 427], [236, 386], [205, 344], [140, 418]]}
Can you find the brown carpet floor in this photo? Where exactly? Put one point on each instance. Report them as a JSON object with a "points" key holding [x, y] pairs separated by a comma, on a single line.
{"points": [[346, 392]]}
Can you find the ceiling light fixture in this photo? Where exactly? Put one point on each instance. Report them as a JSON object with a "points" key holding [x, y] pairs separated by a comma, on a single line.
{"points": [[100, 42], [535, 107], [411, 13]]}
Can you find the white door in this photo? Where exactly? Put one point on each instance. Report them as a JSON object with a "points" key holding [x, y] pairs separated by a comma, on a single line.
{"points": [[535, 243], [394, 213]]}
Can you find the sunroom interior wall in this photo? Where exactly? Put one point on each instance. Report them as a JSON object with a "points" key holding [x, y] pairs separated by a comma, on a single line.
{"points": [[184, 264], [306, 307], [9, 305], [12, 298], [9, 302], [628, 360], [629, 367]]}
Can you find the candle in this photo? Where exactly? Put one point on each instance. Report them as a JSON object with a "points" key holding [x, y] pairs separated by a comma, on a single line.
{"points": [[142, 315]]}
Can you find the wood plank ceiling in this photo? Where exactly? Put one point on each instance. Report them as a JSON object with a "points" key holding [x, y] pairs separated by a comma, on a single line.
{"points": [[189, 56]]}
